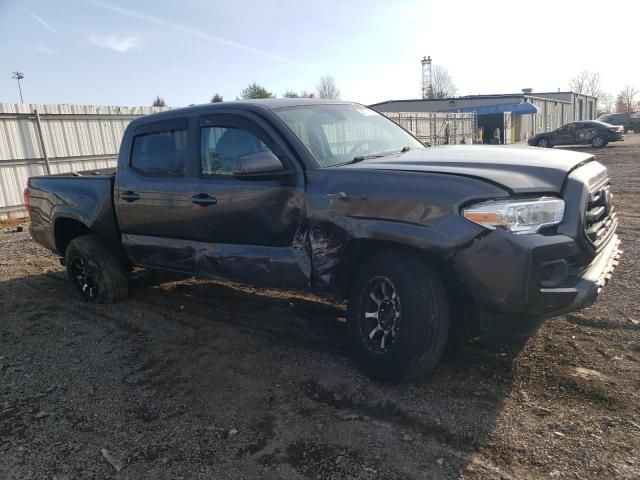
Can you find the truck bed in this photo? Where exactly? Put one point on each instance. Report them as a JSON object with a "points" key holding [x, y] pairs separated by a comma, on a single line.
{"points": [[86, 197]]}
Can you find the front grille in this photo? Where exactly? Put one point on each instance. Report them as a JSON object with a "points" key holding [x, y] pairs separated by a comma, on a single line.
{"points": [[600, 218]]}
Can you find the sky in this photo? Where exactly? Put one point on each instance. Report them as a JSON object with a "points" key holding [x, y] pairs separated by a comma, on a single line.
{"points": [[125, 52]]}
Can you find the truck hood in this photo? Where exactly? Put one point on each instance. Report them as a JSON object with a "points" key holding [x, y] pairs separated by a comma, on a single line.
{"points": [[521, 170]]}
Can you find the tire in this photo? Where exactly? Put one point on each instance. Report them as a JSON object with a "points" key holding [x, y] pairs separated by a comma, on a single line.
{"points": [[96, 273], [411, 320], [544, 143], [599, 142]]}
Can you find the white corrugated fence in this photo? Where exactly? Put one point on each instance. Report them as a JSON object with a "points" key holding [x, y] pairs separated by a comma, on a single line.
{"points": [[76, 138]]}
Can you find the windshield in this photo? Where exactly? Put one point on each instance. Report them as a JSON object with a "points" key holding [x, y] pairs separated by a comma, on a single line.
{"points": [[340, 134]]}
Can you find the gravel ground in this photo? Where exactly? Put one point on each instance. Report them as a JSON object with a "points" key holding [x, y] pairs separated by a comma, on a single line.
{"points": [[200, 380]]}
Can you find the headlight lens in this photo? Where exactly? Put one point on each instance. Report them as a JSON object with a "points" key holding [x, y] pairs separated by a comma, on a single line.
{"points": [[518, 216]]}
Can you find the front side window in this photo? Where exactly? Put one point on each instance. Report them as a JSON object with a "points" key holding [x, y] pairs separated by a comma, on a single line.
{"points": [[221, 146], [161, 153], [340, 133]]}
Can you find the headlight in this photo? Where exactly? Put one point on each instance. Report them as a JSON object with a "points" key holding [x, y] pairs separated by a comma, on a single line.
{"points": [[518, 216]]}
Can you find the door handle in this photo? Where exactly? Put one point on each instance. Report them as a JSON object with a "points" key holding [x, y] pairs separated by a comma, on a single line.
{"points": [[129, 196], [204, 199]]}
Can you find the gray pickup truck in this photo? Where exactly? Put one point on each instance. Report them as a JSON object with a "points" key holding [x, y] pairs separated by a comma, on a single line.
{"points": [[334, 198]]}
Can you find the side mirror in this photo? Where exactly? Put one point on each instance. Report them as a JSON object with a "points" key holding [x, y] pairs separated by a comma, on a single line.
{"points": [[256, 163]]}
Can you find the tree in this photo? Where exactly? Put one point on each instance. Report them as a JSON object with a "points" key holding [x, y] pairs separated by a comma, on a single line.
{"points": [[326, 88], [302, 94], [625, 101], [255, 91], [442, 85], [159, 102], [587, 83], [606, 103], [217, 98]]}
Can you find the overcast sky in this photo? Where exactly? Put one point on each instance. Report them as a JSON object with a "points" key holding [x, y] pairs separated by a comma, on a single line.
{"points": [[121, 52]]}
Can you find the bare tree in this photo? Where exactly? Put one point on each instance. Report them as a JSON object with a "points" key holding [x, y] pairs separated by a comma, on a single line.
{"points": [[625, 101], [306, 94], [442, 85], [586, 83], [159, 102], [606, 103], [594, 85], [327, 88]]}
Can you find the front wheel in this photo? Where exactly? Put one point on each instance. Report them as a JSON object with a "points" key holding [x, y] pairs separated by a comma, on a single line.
{"points": [[95, 272], [598, 142], [398, 316], [544, 143]]}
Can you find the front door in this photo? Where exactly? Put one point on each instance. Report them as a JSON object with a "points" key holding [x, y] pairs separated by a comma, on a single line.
{"points": [[247, 225], [565, 135]]}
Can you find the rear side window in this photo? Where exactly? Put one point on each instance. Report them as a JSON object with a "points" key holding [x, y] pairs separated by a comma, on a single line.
{"points": [[160, 154]]}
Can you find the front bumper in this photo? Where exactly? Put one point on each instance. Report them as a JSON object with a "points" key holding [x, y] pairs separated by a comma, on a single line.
{"points": [[518, 280], [594, 279]]}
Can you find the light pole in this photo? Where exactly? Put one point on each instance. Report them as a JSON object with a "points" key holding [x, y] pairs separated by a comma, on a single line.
{"points": [[18, 76]]}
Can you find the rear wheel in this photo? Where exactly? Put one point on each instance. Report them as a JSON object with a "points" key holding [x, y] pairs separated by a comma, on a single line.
{"points": [[95, 272], [398, 316], [598, 142], [544, 143]]}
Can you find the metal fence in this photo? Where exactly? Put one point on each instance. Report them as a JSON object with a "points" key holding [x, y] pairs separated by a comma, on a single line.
{"points": [[438, 128], [43, 139]]}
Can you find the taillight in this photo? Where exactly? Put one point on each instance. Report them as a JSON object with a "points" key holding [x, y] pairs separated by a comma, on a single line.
{"points": [[617, 129], [27, 198]]}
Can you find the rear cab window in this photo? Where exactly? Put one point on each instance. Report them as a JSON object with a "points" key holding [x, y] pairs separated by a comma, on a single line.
{"points": [[160, 150]]}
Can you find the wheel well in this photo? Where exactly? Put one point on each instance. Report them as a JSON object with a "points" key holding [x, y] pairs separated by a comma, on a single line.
{"points": [[65, 230], [357, 251], [463, 309]]}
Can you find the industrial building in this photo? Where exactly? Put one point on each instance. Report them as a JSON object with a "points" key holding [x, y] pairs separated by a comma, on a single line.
{"points": [[506, 118]]}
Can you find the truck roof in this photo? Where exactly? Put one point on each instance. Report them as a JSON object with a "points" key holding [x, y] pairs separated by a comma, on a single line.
{"points": [[265, 103]]}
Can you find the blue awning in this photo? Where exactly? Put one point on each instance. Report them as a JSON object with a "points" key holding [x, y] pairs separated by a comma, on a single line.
{"points": [[515, 108]]}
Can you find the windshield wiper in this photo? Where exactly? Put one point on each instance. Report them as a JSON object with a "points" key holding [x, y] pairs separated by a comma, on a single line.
{"points": [[357, 159], [361, 158]]}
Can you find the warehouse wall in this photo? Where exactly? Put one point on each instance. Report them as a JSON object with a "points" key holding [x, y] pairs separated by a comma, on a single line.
{"points": [[76, 138]]}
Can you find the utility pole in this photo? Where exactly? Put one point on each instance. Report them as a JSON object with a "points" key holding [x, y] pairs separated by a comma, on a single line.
{"points": [[18, 76]]}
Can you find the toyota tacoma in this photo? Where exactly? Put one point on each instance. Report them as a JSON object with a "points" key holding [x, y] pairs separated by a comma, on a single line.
{"points": [[333, 198]]}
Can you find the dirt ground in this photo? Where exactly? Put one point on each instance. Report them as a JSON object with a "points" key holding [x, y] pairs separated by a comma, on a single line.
{"points": [[201, 380]]}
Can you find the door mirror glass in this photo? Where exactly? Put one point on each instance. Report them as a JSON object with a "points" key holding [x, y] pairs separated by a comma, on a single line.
{"points": [[260, 162]]}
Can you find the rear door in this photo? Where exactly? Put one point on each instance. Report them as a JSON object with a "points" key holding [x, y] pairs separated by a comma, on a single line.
{"points": [[152, 195], [586, 131]]}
